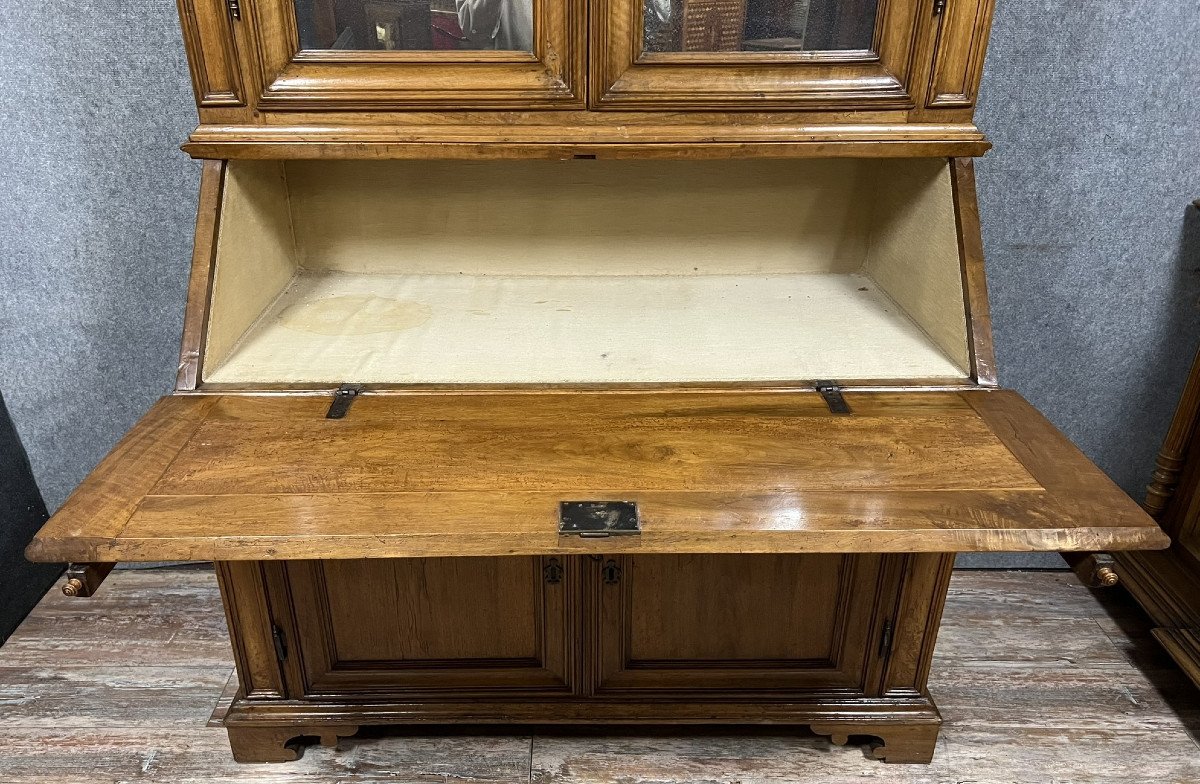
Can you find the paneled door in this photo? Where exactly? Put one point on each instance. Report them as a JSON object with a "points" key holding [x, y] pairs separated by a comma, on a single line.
{"points": [[738, 624], [839, 55], [416, 627], [414, 54]]}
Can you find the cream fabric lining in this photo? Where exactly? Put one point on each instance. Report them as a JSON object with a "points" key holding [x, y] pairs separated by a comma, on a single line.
{"points": [[586, 271], [335, 327]]}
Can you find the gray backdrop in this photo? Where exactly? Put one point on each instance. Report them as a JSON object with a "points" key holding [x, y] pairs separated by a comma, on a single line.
{"points": [[1092, 248]]}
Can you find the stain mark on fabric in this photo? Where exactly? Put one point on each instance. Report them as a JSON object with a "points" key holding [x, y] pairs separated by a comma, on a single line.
{"points": [[354, 315]]}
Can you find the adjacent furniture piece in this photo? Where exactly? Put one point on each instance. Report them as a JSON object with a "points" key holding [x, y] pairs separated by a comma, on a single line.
{"points": [[22, 512], [1167, 583], [587, 384]]}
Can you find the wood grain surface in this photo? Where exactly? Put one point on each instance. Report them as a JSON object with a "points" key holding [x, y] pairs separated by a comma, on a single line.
{"points": [[244, 477], [133, 706]]}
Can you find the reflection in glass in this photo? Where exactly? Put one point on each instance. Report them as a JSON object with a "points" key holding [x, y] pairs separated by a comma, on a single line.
{"points": [[758, 25], [421, 25]]}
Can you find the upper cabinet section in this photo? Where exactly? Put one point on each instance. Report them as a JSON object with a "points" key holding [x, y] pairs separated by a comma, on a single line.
{"points": [[532, 73]]}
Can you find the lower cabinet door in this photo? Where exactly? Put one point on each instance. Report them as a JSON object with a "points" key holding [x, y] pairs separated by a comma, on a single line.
{"points": [[738, 623], [423, 627]]}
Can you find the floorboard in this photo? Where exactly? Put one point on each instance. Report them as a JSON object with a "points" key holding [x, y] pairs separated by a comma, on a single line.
{"points": [[1040, 680]]}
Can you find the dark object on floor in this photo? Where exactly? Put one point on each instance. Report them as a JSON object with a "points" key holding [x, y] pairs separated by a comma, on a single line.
{"points": [[22, 512]]}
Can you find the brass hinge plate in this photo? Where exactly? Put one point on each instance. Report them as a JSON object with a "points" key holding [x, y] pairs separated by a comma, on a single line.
{"points": [[594, 519]]}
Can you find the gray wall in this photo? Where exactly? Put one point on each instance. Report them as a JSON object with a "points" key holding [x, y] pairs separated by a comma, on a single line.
{"points": [[96, 214], [1094, 110]]}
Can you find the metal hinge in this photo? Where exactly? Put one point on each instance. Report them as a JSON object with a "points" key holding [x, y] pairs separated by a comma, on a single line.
{"points": [[832, 393], [885, 639], [342, 399], [235, 9], [939, 7], [280, 641]]}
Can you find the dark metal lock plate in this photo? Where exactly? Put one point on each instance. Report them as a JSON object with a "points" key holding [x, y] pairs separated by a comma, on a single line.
{"points": [[598, 518]]}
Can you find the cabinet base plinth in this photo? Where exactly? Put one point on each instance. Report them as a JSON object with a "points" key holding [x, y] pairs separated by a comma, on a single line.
{"points": [[895, 743], [282, 744], [276, 730]]}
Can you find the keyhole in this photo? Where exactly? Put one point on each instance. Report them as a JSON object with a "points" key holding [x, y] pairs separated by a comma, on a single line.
{"points": [[611, 572]]}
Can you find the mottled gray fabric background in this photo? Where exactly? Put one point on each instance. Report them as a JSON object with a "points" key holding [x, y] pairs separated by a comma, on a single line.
{"points": [[1092, 248]]}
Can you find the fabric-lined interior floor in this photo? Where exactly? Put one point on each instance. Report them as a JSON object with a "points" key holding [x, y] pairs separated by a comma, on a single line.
{"points": [[549, 329], [1038, 678]]}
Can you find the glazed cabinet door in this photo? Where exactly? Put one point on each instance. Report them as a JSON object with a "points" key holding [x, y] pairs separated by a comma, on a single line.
{"points": [[381, 55], [418, 627], [839, 55], [737, 623]]}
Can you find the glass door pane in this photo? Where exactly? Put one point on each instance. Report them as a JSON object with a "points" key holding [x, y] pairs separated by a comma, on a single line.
{"points": [[415, 25], [758, 25]]}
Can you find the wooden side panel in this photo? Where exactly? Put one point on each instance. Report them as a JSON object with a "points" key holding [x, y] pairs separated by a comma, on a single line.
{"points": [[974, 277], [199, 293], [958, 58], [422, 626], [212, 53], [255, 253], [913, 253], [734, 623]]}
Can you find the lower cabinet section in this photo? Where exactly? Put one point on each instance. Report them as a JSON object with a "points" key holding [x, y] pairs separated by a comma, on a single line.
{"points": [[838, 642]]}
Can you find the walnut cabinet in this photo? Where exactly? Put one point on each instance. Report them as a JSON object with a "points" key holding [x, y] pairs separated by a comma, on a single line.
{"points": [[621, 362], [1166, 583]]}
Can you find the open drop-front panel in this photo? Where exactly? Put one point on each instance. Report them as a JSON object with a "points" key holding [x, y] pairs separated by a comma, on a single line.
{"points": [[243, 477]]}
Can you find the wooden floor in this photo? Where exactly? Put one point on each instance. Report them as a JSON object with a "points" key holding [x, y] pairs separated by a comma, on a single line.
{"points": [[1039, 679]]}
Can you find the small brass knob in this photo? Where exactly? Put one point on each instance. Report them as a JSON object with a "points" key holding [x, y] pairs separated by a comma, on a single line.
{"points": [[1106, 577], [73, 587]]}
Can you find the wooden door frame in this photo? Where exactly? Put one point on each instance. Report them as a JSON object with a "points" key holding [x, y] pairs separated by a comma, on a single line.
{"points": [[317, 676], [551, 77], [862, 611], [622, 76]]}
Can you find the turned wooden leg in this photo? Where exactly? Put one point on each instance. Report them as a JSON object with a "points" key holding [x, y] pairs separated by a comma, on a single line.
{"points": [[911, 743], [281, 744]]}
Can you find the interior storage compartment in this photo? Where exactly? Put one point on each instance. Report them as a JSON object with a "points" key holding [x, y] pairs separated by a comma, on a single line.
{"points": [[586, 272]]}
